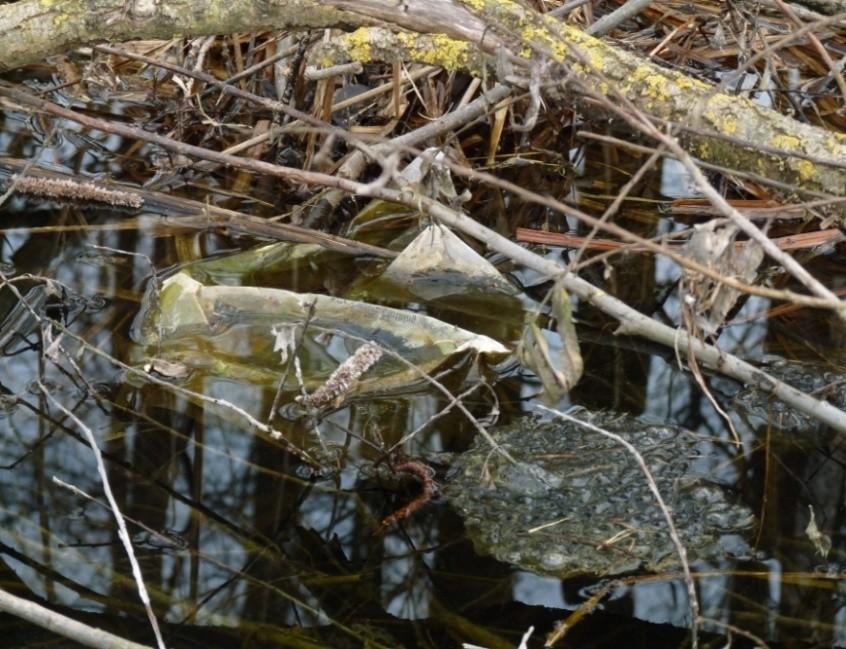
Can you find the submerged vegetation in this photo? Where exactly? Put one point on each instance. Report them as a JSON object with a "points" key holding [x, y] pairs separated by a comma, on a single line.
{"points": [[483, 323]]}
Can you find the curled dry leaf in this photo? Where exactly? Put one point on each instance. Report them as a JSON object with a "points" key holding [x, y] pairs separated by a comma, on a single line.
{"points": [[822, 542], [558, 376], [714, 245]]}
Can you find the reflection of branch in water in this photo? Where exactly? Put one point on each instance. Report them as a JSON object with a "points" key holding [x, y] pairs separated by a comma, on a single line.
{"points": [[424, 473]]}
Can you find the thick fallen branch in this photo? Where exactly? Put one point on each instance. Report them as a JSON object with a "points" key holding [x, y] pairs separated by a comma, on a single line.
{"points": [[728, 130], [35, 29]]}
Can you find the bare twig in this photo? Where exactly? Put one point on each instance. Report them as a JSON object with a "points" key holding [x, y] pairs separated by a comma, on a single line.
{"points": [[832, 66], [442, 412], [731, 628], [148, 377], [641, 122], [567, 7], [123, 534], [316, 74], [788, 262], [63, 625], [625, 11], [440, 387]]}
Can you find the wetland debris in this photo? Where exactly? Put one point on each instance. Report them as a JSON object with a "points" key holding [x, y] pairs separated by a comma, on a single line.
{"points": [[437, 264], [558, 372], [822, 542], [343, 379], [714, 246], [424, 474]]}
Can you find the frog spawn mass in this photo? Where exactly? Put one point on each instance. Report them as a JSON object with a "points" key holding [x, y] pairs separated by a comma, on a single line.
{"points": [[816, 379], [577, 502]]}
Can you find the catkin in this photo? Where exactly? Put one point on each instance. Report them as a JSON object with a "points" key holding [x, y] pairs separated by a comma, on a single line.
{"points": [[72, 189]]}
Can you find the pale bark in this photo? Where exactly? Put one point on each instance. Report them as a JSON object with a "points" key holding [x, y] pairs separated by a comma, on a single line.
{"points": [[63, 625], [723, 129]]}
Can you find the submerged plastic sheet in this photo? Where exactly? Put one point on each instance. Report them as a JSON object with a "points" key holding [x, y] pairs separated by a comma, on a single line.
{"points": [[442, 272], [244, 267], [235, 332], [438, 263], [576, 502]]}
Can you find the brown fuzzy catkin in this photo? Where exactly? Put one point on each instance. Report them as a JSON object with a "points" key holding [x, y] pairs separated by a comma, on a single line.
{"points": [[71, 189], [342, 380]]}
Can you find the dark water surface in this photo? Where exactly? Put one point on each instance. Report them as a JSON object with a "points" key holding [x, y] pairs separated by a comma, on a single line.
{"points": [[242, 544]]}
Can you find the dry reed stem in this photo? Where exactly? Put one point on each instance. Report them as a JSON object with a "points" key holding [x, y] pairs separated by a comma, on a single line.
{"points": [[798, 241]]}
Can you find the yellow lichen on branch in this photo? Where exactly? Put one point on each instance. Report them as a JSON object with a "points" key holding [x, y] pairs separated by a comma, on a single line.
{"points": [[722, 129], [369, 44]]}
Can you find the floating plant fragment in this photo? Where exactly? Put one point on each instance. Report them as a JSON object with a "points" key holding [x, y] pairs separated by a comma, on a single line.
{"points": [[822, 542], [578, 503]]}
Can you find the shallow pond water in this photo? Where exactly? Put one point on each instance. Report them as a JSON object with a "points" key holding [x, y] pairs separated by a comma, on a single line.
{"points": [[244, 543]]}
